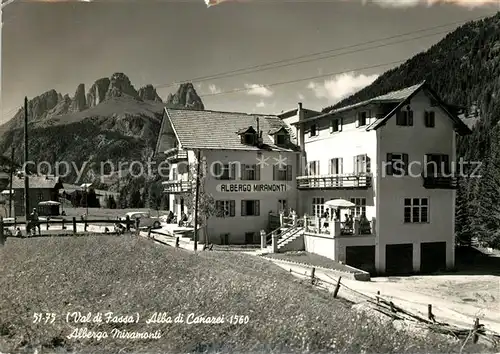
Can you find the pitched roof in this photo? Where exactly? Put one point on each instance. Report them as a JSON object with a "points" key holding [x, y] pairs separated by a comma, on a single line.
{"points": [[196, 129], [405, 95], [399, 97], [38, 182], [293, 112]]}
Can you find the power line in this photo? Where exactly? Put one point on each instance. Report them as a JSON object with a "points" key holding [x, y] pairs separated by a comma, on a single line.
{"points": [[308, 78], [245, 70]]}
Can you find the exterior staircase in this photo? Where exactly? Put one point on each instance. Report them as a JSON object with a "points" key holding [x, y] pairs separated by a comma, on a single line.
{"points": [[291, 235]]}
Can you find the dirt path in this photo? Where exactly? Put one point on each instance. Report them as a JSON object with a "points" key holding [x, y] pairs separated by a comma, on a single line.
{"points": [[445, 293]]}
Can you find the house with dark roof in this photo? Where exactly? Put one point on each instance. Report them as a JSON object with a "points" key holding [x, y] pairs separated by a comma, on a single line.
{"points": [[42, 188], [392, 160], [248, 162]]}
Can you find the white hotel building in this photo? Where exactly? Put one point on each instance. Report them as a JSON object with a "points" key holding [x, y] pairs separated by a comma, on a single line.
{"points": [[230, 146], [373, 153]]}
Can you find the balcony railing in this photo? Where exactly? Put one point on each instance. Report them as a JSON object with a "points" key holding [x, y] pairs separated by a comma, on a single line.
{"points": [[176, 186], [440, 182], [360, 181], [176, 155]]}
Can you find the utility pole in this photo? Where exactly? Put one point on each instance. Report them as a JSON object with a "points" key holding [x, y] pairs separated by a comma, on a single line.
{"points": [[26, 181], [196, 201], [11, 176]]}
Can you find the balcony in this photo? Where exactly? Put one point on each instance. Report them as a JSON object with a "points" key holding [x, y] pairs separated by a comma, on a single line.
{"points": [[174, 187], [440, 182], [361, 181], [175, 155]]}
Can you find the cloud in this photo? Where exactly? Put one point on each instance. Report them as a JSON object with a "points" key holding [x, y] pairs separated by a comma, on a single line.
{"points": [[260, 104], [301, 96], [341, 86], [413, 3], [258, 90], [214, 89]]}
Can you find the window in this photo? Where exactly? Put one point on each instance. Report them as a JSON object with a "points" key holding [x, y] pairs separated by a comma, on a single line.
{"points": [[225, 172], [225, 208], [282, 173], [280, 139], [361, 119], [436, 164], [430, 119], [313, 168], [40, 196], [318, 206], [250, 208], [360, 206], [336, 125], [361, 164], [416, 210], [250, 172], [396, 164], [313, 131], [404, 118], [249, 138], [282, 205], [174, 174], [336, 166]]}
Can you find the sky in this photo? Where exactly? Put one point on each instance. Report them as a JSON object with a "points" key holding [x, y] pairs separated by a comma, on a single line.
{"points": [[59, 44]]}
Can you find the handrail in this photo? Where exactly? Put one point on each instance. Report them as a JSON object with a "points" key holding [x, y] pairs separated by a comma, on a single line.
{"points": [[295, 232]]}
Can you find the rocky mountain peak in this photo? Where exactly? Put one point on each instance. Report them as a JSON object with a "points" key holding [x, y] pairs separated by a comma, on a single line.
{"points": [[148, 93], [79, 102], [39, 105], [120, 85], [97, 92], [186, 96]]}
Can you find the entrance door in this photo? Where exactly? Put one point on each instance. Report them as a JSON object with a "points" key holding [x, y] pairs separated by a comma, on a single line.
{"points": [[182, 205], [249, 237]]}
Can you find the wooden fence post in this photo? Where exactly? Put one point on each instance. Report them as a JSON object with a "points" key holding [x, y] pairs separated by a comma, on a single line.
{"points": [[312, 275], [62, 225], [177, 242], [128, 223], [430, 315], [2, 235], [378, 297], [74, 224], [475, 338], [337, 288], [15, 222]]}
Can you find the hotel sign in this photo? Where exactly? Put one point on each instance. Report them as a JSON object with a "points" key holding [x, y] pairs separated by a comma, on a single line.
{"points": [[252, 188]]}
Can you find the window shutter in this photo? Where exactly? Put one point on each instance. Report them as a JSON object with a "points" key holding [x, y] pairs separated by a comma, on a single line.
{"points": [[388, 166], [289, 172], [232, 207], [274, 172], [331, 125], [357, 120], [257, 172], [330, 167], [405, 163], [356, 165], [243, 208], [217, 170], [410, 118], [218, 207], [446, 161], [368, 164], [242, 172], [233, 171], [341, 122], [257, 208], [426, 118], [341, 166]]}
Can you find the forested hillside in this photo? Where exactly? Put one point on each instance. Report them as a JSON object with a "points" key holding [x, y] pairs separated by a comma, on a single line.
{"points": [[464, 69]]}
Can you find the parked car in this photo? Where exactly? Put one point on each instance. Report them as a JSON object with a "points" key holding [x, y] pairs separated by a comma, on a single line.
{"points": [[145, 219]]}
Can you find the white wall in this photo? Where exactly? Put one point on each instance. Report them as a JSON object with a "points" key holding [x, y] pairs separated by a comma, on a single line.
{"points": [[416, 141], [238, 225], [346, 144]]}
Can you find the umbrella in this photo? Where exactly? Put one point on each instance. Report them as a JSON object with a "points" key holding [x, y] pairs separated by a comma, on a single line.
{"points": [[49, 202], [339, 203]]}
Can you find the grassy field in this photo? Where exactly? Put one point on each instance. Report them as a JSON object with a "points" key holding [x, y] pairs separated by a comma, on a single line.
{"points": [[129, 275]]}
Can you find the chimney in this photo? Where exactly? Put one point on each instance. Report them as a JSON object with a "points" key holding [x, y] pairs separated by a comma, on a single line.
{"points": [[300, 106]]}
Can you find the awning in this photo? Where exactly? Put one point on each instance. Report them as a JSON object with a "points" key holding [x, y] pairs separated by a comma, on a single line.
{"points": [[339, 203]]}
